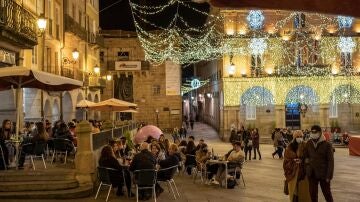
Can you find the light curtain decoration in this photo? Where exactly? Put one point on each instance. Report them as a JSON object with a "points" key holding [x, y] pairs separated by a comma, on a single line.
{"points": [[316, 51]]}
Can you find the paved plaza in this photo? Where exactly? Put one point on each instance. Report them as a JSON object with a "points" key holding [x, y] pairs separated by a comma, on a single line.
{"points": [[264, 178]]}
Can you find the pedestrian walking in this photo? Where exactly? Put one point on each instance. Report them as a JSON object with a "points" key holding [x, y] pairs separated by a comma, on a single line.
{"points": [[256, 142], [248, 144], [278, 144], [319, 162], [192, 123]]}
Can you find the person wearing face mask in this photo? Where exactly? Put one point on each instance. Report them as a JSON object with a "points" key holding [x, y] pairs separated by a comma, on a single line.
{"points": [[294, 169], [319, 164]]}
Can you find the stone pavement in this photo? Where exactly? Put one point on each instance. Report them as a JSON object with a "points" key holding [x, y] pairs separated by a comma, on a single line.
{"points": [[264, 178]]}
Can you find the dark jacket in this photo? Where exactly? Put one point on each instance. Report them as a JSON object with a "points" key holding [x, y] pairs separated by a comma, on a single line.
{"points": [[319, 159], [143, 160], [234, 136], [171, 160], [190, 158], [255, 139], [116, 177]]}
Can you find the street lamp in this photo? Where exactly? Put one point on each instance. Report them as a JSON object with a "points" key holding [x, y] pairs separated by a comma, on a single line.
{"points": [[109, 77], [41, 23], [97, 69], [75, 54], [157, 117]]}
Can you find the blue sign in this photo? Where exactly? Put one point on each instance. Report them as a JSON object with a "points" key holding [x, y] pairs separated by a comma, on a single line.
{"points": [[195, 84]]}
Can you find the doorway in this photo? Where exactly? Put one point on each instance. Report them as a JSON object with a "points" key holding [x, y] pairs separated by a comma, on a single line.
{"points": [[292, 116]]}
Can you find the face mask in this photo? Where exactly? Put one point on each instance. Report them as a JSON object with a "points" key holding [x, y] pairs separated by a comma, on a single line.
{"points": [[314, 136], [299, 140]]}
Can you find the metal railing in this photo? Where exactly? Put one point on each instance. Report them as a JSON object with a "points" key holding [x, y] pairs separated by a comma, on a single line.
{"points": [[102, 138], [17, 20], [73, 73], [95, 39], [74, 27]]}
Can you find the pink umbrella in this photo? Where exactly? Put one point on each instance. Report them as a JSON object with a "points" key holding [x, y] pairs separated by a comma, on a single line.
{"points": [[146, 131]]}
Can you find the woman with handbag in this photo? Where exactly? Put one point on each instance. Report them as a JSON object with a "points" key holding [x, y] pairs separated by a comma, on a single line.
{"points": [[294, 170]]}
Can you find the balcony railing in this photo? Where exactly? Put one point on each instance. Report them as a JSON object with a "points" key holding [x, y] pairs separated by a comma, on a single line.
{"points": [[96, 39], [73, 73], [18, 23], [72, 26]]}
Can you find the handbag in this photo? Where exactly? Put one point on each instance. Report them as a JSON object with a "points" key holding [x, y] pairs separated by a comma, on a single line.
{"points": [[286, 188]]}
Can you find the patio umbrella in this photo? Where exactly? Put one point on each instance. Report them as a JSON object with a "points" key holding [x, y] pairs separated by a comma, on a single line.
{"points": [[22, 77], [84, 105], [113, 105]]}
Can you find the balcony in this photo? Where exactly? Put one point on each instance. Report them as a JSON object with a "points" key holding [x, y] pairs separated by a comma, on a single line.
{"points": [[73, 73], [95, 83], [96, 39], [72, 26], [17, 25]]}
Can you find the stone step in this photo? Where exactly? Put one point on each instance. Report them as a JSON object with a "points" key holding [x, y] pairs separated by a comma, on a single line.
{"points": [[79, 192], [30, 175], [38, 185]]}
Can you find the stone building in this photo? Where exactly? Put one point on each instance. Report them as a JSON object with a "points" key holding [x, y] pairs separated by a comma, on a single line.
{"points": [[305, 73], [156, 89], [70, 48]]}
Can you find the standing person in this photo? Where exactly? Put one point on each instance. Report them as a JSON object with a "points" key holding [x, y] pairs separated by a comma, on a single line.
{"points": [[183, 132], [192, 123], [5, 135], [256, 142], [175, 134], [278, 144], [319, 162], [294, 169], [233, 135], [248, 143]]}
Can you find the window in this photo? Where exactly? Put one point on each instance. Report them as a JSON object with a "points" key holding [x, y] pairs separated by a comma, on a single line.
{"points": [[156, 89], [34, 55], [102, 56], [256, 63], [80, 18], [73, 11], [57, 21], [346, 59], [250, 112], [333, 108], [123, 56]]}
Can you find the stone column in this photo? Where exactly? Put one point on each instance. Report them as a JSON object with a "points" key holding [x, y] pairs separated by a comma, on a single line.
{"points": [[280, 116], [324, 115], [84, 159]]}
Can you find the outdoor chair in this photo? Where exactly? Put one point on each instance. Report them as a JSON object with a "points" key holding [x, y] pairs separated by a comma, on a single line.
{"points": [[200, 168], [167, 175], [61, 146], [145, 179], [235, 170], [3, 158], [38, 152], [104, 178], [190, 158]]}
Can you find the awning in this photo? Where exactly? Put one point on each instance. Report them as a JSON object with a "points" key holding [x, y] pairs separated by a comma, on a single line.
{"points": [[84, 104], [22, 77], [113, 105]]}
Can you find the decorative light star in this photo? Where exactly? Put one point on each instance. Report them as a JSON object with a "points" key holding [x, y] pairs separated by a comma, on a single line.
{"points": [[257, 46], [346, 44], [344, 21], [255, 19]]}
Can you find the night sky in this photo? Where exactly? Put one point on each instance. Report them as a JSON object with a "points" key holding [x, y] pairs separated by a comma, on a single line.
{"points": [[119, 15]]}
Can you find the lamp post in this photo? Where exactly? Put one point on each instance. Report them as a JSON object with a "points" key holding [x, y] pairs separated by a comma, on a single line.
{"points": [[41, 23], [157, 117]]}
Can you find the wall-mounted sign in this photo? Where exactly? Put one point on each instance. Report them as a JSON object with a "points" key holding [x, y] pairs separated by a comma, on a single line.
{"points": [[195, 84], [127, 65], [173, 80]]}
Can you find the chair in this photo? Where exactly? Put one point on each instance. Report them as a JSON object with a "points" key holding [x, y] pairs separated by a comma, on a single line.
{"points": [[200, 168], [3, 157], [38, 152], [234, 168], [61, 146], [168, 177], [190, 158], [104, 178], [145, 179]]}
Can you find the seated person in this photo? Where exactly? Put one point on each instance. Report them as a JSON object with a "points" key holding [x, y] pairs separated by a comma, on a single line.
{"points": [[116, 147], [5, 133], [108, 160], [235, 157], [345, 138], [40, 136], [202, 155], [172, 160], [201, 142], [63, 132], [143, 160], [190, 160], [157, 152]]}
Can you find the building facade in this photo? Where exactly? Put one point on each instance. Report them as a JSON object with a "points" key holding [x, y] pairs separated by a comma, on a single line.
{"points": [[72, 30], [156, 89], [283, 69]]}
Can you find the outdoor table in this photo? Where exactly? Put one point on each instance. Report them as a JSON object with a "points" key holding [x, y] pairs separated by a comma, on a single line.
{"points": [[212, 161], [354, 146]]}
